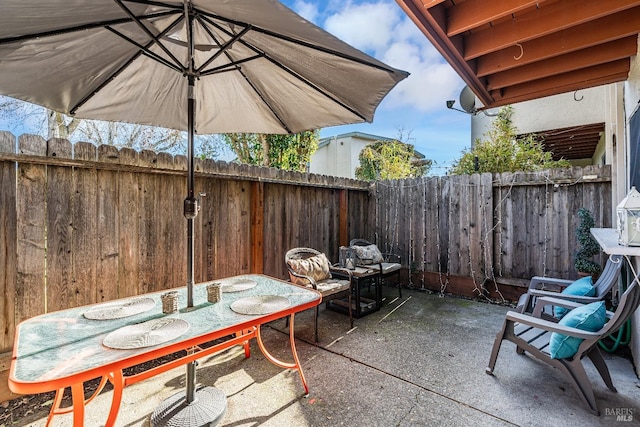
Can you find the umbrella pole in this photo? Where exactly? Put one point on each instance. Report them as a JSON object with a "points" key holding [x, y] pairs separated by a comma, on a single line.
{"points": [[190, 211], [207, 405]]}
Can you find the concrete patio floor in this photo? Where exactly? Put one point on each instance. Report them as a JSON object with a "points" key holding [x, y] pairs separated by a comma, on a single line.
{"points": [[419, 361]]}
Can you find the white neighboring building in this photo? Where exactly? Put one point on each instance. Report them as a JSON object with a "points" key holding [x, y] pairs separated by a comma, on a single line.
{"points": [[338, 155]]}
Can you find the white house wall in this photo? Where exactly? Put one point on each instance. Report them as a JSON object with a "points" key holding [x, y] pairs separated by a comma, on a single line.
{"points": [[338, 158], [559, 111]]}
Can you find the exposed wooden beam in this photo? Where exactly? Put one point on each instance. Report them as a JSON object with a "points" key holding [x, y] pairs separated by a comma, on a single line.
{"points": [[601, 54], [605, 29], [543, 21], [431, 3], [587, 74], [548, 87], [473, 13]]}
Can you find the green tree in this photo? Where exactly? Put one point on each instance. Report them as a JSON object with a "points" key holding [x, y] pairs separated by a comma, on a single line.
{"points": [[289, 152], [503, 151], [589, 247], [390, 160]]}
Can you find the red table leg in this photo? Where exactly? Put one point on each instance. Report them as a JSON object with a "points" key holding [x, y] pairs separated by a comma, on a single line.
{"points": [[296, 365]]}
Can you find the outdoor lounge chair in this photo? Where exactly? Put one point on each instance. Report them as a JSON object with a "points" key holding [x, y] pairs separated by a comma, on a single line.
{"points": [[389, 265], [541, 287], [308, 267], [533, 334]]}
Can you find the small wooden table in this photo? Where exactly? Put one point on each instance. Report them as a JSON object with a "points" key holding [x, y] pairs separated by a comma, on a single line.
{"points": [[64, 348], [361, 306]]}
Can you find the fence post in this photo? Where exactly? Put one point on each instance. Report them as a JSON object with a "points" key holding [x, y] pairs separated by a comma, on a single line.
{"points": [[344, 218], [257, 227]]}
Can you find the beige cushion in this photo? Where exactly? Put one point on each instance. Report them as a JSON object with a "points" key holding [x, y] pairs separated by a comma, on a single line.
{"points": [[315, 267], [368, 254]]}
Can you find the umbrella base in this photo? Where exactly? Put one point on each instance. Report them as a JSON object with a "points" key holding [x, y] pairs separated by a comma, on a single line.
{"points": [[207, 409]]}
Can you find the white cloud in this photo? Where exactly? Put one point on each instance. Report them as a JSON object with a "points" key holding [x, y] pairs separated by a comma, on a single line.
{"points": [[431, 83], [383, 30], [307, 10], [366, 26]]}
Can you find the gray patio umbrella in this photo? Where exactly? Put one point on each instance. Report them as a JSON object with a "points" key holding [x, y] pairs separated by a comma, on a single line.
{"points": [[253, 65]]}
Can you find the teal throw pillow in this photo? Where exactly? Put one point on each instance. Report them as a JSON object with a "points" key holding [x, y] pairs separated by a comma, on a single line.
{"points": [[581, 287], [590, 317]]}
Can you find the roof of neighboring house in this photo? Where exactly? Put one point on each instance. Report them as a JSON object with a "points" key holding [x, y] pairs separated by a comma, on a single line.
{"points": [[361, 135], [513, 51]]}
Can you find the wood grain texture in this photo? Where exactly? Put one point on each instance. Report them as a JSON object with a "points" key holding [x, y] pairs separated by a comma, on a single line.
{"points": [[8, 243], [104, 223], [31, 231]]}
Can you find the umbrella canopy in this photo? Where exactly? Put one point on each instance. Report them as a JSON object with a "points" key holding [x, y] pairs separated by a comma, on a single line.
{"points": [[252, 65], [258, 66]]}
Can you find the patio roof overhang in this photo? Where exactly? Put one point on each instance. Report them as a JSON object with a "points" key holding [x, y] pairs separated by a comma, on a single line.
{"points": [[517, 50]]}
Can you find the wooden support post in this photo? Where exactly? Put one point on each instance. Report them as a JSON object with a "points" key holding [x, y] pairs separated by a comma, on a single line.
{"points": [[344, 218], [257, 227]]}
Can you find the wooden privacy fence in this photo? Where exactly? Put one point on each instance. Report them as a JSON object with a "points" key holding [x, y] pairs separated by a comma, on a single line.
{"points": [[489, 229], [81, 224]]}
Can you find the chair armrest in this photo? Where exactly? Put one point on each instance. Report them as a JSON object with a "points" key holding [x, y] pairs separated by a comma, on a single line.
{"points": [[537, 281], [546, 325], [559, 302], [302, 276], [576, 298]]}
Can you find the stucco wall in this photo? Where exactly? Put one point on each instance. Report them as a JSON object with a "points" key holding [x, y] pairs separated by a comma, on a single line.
{"points": [[576, 108]]}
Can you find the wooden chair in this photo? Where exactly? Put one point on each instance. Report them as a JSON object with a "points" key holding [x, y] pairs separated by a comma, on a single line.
{"points": [[532, 334], [329, 287], [390, 265], [541, 286]]}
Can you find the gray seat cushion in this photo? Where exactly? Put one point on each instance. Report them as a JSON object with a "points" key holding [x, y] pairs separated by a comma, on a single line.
{"points": [[387, 267]]}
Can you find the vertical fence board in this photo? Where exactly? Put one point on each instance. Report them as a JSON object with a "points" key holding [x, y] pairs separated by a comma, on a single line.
{"points": [[31, 226], [205, 228], [108, 238], [277, 242], [128, 249], [8, 243], [146, 227], [60, 292], [165, 227], [85, 227]]}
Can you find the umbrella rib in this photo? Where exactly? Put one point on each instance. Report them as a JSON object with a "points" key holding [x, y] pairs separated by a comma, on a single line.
{"points": [[146, 51], [122, 68], [304, 80], [316, 87], [223, 49], [230, 67], [155, 38], [82, 27], [277, 116], [302, 43], [235, 63]]}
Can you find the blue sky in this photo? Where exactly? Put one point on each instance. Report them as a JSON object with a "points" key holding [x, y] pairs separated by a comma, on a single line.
{"points": [[417, 105], [415, 110]]}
